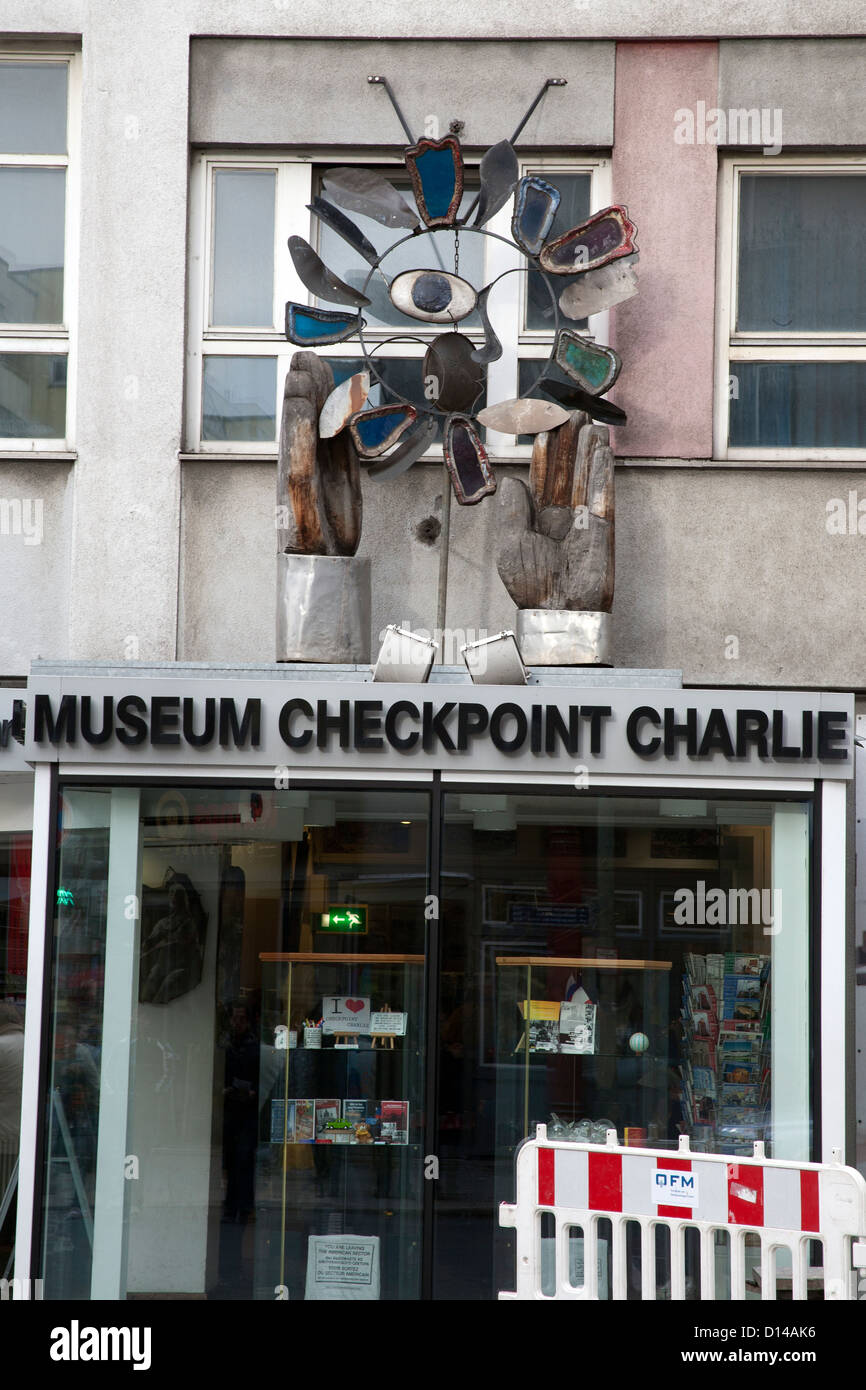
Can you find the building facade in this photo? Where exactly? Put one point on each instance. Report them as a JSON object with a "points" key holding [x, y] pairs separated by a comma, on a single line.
{"points": [[176, 890]]}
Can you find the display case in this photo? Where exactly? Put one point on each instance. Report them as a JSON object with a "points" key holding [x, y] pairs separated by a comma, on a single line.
{"points": [[340, 1169], [583, 1044]]}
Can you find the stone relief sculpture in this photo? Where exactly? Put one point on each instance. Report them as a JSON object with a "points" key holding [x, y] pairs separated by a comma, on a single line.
{"points": [[556, 554], [323, 588]]}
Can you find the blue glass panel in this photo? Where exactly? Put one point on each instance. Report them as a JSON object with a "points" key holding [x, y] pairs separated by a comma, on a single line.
{"points": [[311, 326], [306, 327], [436, 171], [373, 430]]}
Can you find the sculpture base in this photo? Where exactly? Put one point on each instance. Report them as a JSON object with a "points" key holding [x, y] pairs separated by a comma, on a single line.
{"points": [[323, 608], [558, 637]]}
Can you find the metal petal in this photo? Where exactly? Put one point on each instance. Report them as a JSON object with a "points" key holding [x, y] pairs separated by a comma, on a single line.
{"points": [[457, 380], [344, 227], [319, 279], [374, 431], [344, 401], [535, 205], [492, 349], [436, 170], [600, 239], [433, 296], [574, 399], [500, 172], [526, 415], [364, 191], [409, 452], [600, 289], [467, 462], [591, 365], [309, 327]]}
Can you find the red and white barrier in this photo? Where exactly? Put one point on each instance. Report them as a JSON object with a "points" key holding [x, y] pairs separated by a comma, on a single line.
{"points": [[778, 1205]]}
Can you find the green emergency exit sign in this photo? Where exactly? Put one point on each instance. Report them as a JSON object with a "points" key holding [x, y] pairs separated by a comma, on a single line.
{"points": [[347, 921]]}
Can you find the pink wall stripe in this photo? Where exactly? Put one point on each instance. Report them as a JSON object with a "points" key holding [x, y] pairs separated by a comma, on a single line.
{"points": [[665, 335]]}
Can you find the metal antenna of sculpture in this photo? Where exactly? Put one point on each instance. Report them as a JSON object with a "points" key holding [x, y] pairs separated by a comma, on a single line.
{"points": [[556, 550]]}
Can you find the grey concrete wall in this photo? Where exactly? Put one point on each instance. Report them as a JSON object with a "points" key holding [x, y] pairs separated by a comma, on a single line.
{"points": [[816, 84], [113, 555], [315, 92], [703, 556], [419, 19], [36, 516]]}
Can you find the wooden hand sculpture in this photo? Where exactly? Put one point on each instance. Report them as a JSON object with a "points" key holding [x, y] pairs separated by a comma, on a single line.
{"points": [[318, 480], [557, 547]]}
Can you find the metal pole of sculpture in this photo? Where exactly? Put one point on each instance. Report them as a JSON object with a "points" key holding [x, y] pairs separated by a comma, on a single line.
{"points": [[556, 556], [323, 587]]}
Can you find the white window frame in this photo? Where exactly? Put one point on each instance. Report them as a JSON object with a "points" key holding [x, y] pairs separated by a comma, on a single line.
{"points": [[762, 346], [61, 338], [294, 190]]}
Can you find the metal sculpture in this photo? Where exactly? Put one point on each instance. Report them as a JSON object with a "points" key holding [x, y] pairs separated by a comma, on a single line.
{"points": [[329, 433]]}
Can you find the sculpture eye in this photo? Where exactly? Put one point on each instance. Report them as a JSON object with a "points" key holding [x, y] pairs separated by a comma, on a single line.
{"points": [[433, 295]]}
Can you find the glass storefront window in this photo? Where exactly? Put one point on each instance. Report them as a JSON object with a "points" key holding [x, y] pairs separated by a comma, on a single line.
{"points": [[633, 963], [202, 1141], [239, 1082], [15, 847]]}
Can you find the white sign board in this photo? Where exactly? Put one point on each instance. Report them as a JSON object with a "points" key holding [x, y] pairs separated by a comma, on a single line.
{"points": [[673, 1188], [342, 1268], [345, 1014], [388, 1023]]}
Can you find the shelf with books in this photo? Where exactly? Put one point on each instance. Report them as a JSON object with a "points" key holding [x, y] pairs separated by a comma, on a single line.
{"points": [[725, 1017], [341, 1072], [581, 1039]]}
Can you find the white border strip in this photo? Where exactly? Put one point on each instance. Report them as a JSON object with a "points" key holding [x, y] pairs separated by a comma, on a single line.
{"points": [[706, 784], [833, 968], [150, 773], [31, 1099]]}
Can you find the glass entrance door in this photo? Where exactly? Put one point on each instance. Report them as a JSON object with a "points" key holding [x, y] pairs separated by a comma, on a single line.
{"points": [[237, 1098]]}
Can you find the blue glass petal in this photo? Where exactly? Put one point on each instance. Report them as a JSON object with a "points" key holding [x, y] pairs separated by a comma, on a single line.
{"points": [[306, 327], [438, 180], [535, 207]]}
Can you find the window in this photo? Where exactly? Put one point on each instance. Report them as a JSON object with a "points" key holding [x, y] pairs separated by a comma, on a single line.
{"points": [[791, 343], [244, 210], [38, 196]]}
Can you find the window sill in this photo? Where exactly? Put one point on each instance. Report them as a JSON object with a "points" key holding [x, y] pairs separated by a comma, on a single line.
{"points": [[37, 456]]}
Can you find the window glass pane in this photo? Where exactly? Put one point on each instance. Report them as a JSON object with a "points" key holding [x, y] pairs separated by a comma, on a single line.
{"points": [[16, 810], [261, 1155], [798, 404], [430, 251], [239, 398], [32, 395], [33, 108], [574, 208], [402, 374], [243, 248], [676, 1000], [32, 208], [801, 255]]}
